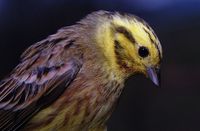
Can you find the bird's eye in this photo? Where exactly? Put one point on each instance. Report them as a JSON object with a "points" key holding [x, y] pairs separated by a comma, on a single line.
{"points": [[143, 51]]}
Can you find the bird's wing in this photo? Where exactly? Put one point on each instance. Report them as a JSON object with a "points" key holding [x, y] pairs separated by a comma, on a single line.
{"points": [[40, 78]]}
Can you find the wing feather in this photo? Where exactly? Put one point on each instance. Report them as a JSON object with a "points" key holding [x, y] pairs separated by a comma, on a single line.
{"points": [[35, 83]]}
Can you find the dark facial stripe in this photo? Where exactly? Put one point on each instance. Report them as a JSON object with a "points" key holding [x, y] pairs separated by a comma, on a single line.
{"points": [[119, 52], [117, 45], [126, 33], [149, 35], [153, 42]]}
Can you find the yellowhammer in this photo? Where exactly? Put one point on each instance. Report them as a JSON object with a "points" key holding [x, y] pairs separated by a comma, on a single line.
{"points": [[72, 80]]}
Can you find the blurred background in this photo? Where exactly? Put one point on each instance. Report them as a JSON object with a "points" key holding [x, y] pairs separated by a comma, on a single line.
{"points": [[142, 107]]}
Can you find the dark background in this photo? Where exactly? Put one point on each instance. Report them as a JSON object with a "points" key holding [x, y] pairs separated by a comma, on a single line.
{"points": [[143, 107]]}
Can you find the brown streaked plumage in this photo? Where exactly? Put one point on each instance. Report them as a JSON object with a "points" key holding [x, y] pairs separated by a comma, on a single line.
{"points": [[72, 80]]}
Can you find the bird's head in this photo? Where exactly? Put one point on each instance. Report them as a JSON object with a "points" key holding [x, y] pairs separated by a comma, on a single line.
{"points": [[131, 45]]}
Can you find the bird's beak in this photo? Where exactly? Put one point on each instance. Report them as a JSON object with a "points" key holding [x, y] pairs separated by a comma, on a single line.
{"points": [[154, 75]]}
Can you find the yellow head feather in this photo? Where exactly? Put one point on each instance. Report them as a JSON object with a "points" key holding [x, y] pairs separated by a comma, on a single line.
{"points": [[128, 43]]}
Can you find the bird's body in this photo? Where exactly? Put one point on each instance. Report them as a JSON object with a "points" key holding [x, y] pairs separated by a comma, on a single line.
{"points": [[88, 107], [87, 102], [72, 80]]}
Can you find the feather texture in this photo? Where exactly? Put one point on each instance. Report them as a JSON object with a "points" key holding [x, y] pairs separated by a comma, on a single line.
{"points": [[36, 82]]}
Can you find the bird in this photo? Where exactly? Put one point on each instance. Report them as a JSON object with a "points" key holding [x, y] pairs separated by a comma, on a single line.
{"points": [[72, 80]]}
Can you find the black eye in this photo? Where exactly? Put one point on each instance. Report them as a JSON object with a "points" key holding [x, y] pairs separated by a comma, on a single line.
{"points": [[143, 51]]}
